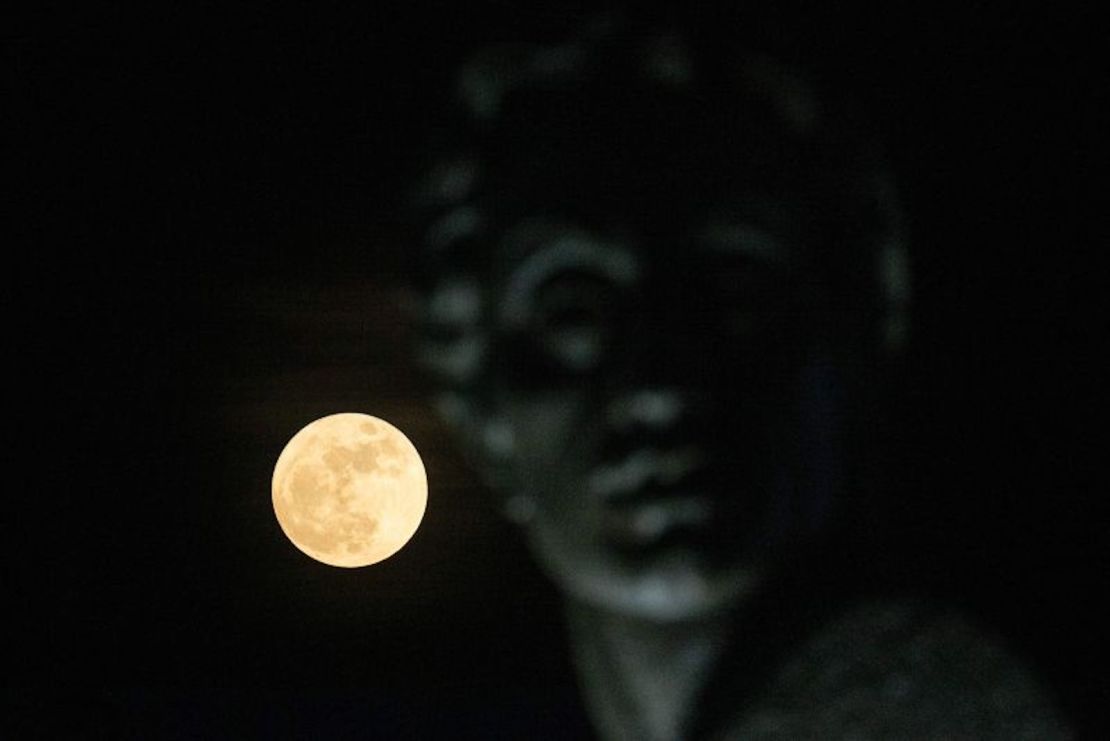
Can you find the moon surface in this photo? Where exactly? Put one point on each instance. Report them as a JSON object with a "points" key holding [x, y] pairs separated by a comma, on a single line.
{"points": [[349, 490]]}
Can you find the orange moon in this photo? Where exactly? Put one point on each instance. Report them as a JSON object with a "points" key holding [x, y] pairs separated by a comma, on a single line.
{"points": [[349, 490]]}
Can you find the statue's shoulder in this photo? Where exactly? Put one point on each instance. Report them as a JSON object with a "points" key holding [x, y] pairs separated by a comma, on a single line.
{"points": [[901, 668]]}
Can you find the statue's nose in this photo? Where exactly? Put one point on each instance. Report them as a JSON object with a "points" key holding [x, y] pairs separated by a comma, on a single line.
{"points": [[650, 409], [668, 351]]}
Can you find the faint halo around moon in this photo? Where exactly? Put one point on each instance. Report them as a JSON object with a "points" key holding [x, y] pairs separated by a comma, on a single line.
{"points": [[349, 490]]}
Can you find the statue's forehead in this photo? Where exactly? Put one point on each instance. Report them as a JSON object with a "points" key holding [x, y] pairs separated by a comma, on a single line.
{"points": [[755, 228]]}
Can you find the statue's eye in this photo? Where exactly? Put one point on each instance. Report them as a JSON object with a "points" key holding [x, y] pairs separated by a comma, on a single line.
{"points": [[560, 308], [747, 275], [574, 319], [745, 296]]}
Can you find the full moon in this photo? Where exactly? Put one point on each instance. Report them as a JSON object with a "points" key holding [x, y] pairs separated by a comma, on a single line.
{"points": [[349, 490]]}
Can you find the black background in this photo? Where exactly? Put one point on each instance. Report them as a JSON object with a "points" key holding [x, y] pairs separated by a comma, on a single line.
{"points": [[208, 256]]}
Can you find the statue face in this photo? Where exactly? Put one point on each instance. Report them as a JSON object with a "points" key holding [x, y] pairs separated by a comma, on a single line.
{"points": [[644, 396], [657, 299]]}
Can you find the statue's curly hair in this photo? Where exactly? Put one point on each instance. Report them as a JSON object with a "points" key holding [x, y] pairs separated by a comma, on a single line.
{"points": [[626, 121]]}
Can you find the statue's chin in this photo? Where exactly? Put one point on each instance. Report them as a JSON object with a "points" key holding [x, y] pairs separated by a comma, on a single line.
{"points": [[673, 587]]}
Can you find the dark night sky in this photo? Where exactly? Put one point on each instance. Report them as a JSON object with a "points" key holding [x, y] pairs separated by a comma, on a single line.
{"points": [[212, 260]]}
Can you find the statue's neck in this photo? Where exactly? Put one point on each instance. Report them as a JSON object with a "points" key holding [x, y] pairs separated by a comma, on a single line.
{"points": [[643, 679]]}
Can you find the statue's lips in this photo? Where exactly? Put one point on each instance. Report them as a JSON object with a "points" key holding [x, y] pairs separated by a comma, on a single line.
{"points": [[652, 494], [648, 522], [644, 470]]}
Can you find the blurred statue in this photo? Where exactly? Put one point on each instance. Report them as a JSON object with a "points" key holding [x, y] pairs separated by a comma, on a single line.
{"points": [[661, 283]]}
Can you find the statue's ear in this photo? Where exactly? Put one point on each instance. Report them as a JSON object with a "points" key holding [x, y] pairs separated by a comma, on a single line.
{"points": [[894, 271]]}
